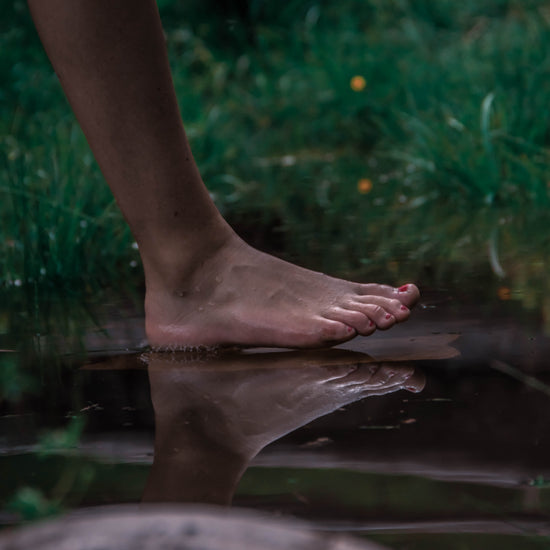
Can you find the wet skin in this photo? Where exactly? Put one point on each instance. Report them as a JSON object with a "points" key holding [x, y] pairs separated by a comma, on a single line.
{"points": [[213, 416], [240, 296], [205, 286]]}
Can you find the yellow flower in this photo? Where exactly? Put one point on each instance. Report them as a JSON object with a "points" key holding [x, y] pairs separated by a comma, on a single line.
{"points": [[364, 186], [357, 83], [504, 293]]}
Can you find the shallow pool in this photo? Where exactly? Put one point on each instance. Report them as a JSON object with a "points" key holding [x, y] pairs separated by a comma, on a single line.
{"points": [[432, 435]]}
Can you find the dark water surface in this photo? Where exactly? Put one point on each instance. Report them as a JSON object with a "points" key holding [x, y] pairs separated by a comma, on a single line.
{"points": [[432, 435]]}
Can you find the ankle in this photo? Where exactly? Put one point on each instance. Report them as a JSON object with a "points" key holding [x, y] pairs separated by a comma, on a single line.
{"points": [[175, 265]]}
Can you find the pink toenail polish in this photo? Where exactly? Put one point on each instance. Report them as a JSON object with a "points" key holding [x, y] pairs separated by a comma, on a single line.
{"points": [[371, 324], [403, 288], [388, 316], [404, 308], [350, 329]]}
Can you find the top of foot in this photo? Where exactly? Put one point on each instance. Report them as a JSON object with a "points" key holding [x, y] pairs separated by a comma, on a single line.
{"points": [[239, 296]]}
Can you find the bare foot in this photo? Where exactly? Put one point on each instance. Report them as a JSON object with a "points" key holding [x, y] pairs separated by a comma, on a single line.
{"points": [[238, 296], [205, 287]]}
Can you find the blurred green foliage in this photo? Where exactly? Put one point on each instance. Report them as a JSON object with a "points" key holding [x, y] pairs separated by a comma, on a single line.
{"points": [[395, 140], [61, 440], [62, 482], [14, 380], [540, 482], [398, 140], [31, 504]]}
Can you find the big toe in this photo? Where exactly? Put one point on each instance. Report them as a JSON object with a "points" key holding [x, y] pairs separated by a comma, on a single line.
{"points": [[408, 294]]}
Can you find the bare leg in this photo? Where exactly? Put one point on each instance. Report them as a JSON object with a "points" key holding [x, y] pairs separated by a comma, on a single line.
{"points": [[205, 286]]}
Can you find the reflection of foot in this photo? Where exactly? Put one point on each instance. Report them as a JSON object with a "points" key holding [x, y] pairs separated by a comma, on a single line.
{"points": [[239, 296], [213, 417]]}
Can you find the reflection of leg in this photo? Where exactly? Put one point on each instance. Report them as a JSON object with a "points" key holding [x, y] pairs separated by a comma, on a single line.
{"points": [[187, 466], [204, 285], [212, 418]]}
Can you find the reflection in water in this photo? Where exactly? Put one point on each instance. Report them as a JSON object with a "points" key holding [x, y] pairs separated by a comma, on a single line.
{"points": [[213, 416]]}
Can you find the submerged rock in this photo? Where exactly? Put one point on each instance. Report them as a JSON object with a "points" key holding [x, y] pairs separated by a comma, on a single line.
{"points": [[163, 527]]}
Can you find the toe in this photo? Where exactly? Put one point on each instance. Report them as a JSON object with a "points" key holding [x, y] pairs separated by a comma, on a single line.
{"points": [[381, 317], [370, 329], [386, 322], [333, 331], [407, 294], [383, 311], [373, 289], [352, 317]]}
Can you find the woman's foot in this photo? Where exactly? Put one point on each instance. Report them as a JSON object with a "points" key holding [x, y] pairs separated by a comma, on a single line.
{"points": [[112, 61], [238, 296]]}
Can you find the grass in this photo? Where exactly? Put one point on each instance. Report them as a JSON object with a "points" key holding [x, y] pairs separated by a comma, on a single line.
{"points": [[440, 106], [372, 139]]}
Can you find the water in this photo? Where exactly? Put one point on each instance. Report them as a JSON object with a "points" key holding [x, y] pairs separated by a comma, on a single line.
{"points": [[431, 435]]}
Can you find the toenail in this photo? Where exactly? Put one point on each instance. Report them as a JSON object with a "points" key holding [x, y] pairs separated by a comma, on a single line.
{"points": [[388, 316], [404, 308], [350, 329], [371, 324], [403, 288]]}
